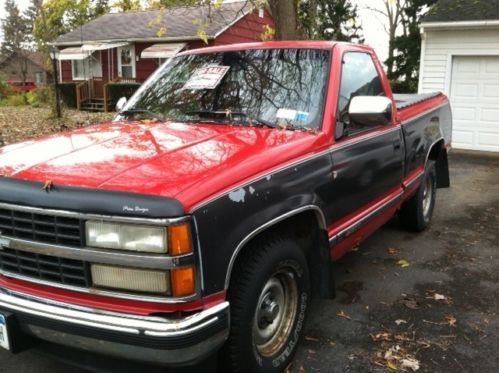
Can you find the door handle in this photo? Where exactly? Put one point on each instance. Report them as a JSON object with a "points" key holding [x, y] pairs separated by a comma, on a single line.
{"points": [[396, 144]]}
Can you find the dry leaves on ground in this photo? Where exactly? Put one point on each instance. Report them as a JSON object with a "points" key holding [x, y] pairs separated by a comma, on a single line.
{"points": [[20, 123]]}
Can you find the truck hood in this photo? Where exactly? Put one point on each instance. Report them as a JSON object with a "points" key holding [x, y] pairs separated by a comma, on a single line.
{"points": [[152, 158]]}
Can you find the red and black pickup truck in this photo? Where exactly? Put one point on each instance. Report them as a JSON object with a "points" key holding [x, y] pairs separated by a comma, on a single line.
{"points": [[207, 214]]}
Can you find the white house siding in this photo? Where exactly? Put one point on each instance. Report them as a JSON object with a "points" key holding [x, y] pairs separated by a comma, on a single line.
{"points": [[443, 50]]}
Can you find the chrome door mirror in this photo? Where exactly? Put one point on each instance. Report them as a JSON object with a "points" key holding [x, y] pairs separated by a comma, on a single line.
{"points": [[121, 104], [370, 111]]}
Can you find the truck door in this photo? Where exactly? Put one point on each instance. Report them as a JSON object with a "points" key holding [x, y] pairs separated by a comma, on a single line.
{"points": [[368, 162]]}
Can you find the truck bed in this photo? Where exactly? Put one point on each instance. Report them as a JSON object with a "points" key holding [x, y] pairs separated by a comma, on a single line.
{"points": [[403, 100]]}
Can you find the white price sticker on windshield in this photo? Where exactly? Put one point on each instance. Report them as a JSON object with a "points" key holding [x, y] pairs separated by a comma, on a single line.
{"points": [[207, 77]]}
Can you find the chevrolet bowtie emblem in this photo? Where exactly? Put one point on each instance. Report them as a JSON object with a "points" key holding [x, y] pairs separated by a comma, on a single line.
{"points": [[48, 186]]}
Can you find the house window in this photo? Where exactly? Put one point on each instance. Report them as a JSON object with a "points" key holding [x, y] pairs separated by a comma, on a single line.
{"points": [[126, 61], [39, 77], [87, 68]]}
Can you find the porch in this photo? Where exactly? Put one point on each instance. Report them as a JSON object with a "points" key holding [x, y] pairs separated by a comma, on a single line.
{"points": [[95, 94]]}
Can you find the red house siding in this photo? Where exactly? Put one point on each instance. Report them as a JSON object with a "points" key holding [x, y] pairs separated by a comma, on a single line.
{"points": [[144, 66], [247, 29]]}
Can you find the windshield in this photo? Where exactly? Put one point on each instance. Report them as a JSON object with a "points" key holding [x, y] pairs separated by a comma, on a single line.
{"points": [[274, 87]]}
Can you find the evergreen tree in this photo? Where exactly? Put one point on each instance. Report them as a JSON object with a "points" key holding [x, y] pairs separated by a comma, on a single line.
{"points": [[14, 29], [30, 15], [408, 46], [330, 20]]}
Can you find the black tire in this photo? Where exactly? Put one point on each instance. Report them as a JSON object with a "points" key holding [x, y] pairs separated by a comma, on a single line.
{"points": [[281, 263], [416, 213]]}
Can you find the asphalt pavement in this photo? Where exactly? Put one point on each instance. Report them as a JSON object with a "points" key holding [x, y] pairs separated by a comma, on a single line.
{"points": [[405, 301]]}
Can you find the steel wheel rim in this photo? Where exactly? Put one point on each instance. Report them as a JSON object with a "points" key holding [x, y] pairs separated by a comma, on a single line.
{"points": [[275, 312], [427, 196]]}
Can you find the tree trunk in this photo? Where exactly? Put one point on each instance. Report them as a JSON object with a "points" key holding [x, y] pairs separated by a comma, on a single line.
{"points": [[285, 14]]}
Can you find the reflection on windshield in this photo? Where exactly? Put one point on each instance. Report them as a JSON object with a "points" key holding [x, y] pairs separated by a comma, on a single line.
{"points": [[271, 87]]}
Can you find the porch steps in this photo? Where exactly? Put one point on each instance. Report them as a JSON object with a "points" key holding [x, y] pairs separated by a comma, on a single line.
{"points": [[94, 104]]}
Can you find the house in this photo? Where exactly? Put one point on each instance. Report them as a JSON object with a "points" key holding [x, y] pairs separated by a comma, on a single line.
{"points": [[460, 56], [126, 48], [25, 65]]}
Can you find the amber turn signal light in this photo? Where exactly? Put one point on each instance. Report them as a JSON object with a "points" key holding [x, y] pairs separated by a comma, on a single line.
{"points": [[182, 281], [179, 239]]}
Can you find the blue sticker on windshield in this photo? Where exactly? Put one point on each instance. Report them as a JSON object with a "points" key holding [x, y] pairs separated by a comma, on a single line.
{"points": [[301, 116]]}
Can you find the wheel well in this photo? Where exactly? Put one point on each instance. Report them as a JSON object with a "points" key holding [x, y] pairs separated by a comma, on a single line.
{"points": [[307, 229], [438, 153]]}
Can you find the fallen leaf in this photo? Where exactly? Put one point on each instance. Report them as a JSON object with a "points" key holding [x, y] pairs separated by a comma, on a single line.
{"points": [[410, 363], [344, 315], [312, 339], [301, 369], [392, 250], [437, 296], [384, 336], [400, 321], [411, 303], [403, 263], [451, 320], [310, 351], [391, 365]]}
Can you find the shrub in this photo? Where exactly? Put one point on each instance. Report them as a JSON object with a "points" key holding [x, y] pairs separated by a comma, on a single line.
{"points": [[5, 88], [117, 90], [404, 86], [40, 96], [18, 99], [68, 94]]}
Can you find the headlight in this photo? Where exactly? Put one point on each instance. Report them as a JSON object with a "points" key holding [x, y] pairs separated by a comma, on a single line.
{"points": [[126, 237]]}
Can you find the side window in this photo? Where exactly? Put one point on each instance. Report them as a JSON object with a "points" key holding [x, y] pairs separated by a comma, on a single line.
{"points": [[358, 78]]}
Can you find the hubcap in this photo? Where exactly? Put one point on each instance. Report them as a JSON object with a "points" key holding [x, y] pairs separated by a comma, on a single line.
{"points": [[427, 196], [275, 312]]}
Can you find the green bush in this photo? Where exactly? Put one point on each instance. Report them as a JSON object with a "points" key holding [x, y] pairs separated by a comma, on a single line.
{"points": [[68, 94], [5, 88], [117, 90], [40, 96], [18, 99], [404, 86]]}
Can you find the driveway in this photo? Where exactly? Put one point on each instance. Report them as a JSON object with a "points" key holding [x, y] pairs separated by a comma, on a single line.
{"points": [[403, 299]]}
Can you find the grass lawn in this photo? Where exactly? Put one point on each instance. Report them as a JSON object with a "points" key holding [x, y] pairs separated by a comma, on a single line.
{"points": [[18, 123]]}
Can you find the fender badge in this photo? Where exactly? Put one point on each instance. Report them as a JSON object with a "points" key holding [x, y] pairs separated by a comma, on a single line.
{"points": [[48, 186]]}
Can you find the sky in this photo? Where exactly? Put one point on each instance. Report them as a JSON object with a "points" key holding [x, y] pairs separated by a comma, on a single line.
{"points": [[374, 33]]}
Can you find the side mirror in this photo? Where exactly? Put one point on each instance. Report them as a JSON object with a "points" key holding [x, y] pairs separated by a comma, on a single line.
{"points": [[370, 111], [121, 104]]}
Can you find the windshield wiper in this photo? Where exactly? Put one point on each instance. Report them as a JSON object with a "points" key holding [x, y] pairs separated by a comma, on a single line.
{"points": [[152, 114], [227, 114]]}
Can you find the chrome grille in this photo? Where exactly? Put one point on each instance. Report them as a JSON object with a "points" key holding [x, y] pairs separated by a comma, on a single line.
{"points": [[44, 267], [41, 228]]}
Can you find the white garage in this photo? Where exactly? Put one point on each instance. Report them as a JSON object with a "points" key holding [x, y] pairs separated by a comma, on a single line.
{"points": [[461, 58]]}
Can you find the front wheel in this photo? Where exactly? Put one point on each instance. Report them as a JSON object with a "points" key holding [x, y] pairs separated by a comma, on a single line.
{"points": [[416, 213], [269, 295]]}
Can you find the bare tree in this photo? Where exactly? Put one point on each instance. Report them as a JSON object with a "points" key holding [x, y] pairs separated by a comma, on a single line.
{"points": [[392, 13]]}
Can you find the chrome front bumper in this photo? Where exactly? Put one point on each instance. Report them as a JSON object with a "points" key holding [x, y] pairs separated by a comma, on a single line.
{"points": [[151, 339]]}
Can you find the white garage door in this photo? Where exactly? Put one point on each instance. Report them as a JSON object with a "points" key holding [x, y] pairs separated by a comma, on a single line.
{"points": [[475, 102]]}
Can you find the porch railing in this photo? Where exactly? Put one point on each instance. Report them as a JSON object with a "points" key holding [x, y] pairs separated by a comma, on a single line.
{"points": [[82, 94]]}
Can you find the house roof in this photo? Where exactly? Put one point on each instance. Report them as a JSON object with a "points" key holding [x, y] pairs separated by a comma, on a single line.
{"points": [[178, 23], [463, 10], [36, 57]]}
